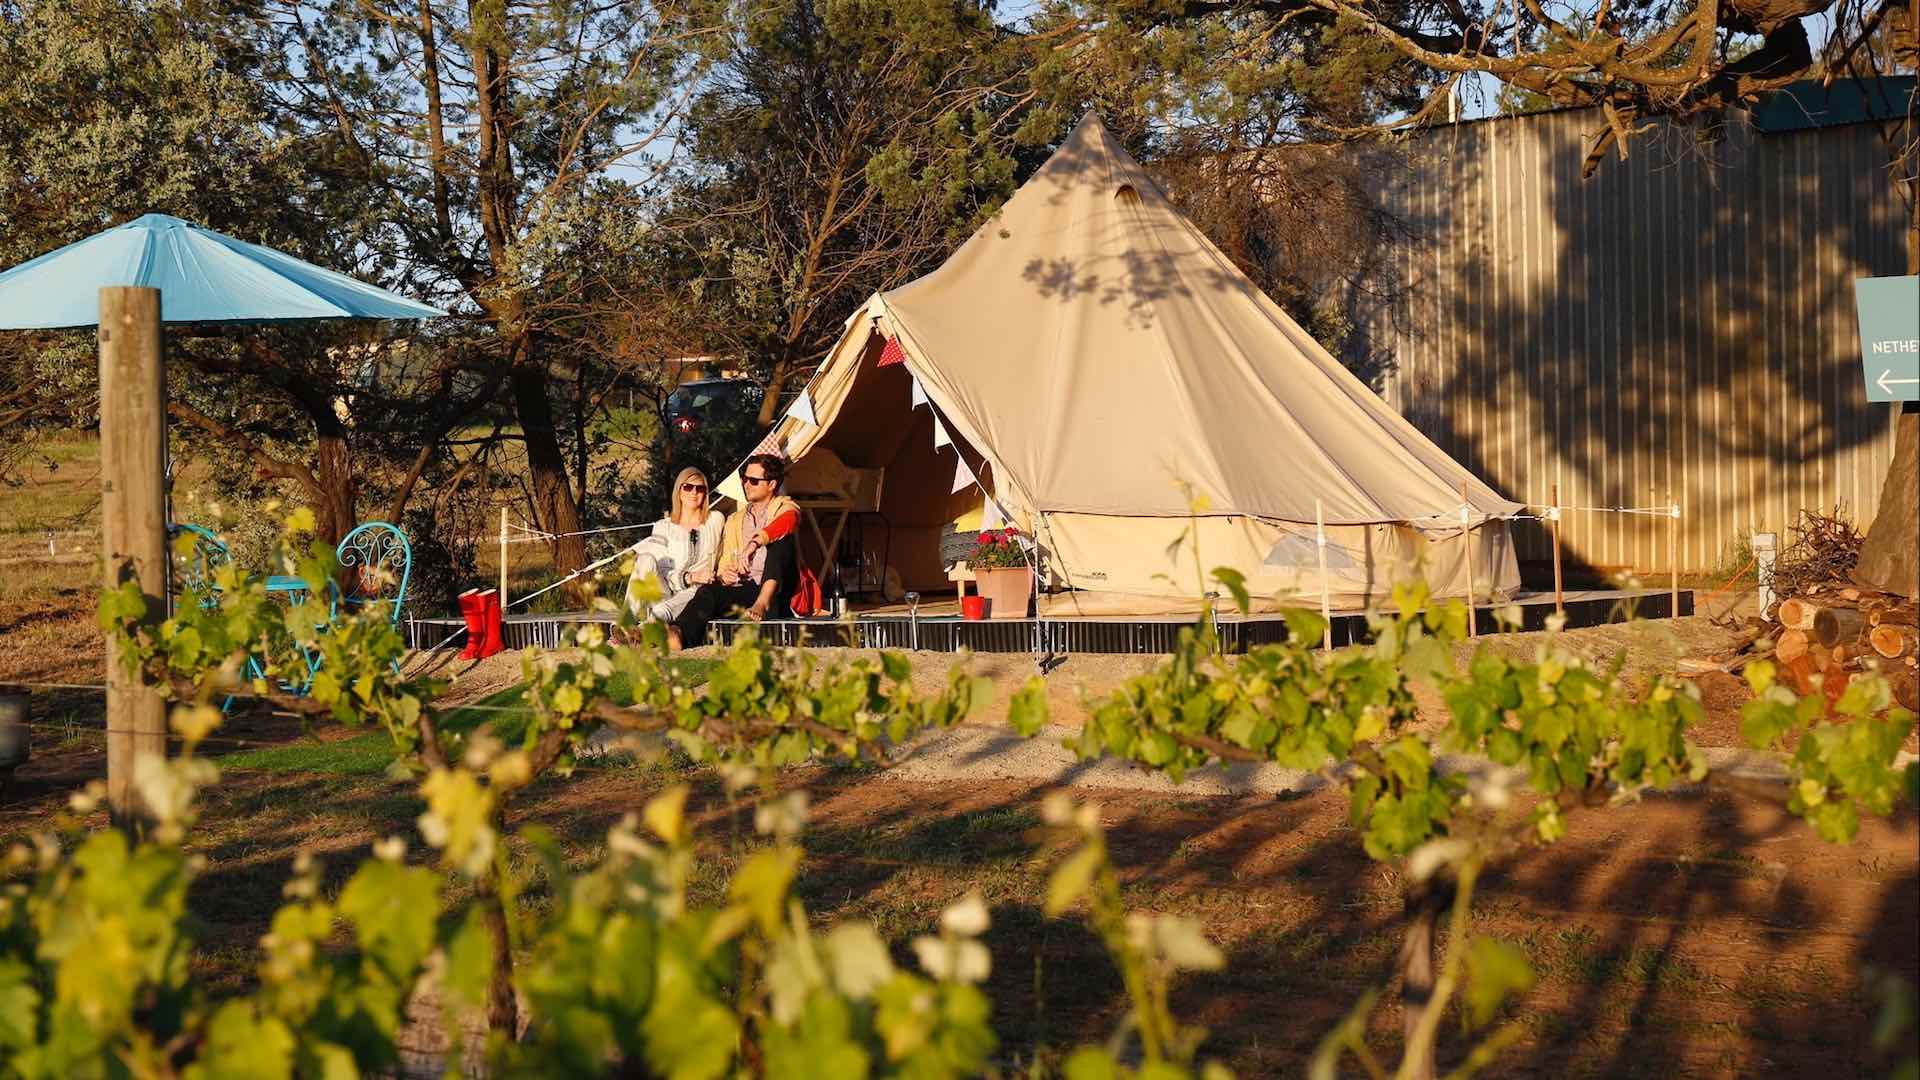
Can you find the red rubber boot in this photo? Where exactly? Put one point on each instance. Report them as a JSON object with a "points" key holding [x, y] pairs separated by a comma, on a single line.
{"points": [[473, 608], [490, 642]]}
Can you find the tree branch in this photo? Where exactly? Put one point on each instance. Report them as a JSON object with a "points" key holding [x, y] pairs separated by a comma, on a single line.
{"points": [[267, 463]]}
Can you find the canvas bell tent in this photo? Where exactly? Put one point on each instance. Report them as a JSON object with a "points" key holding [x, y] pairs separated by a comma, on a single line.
{"points": [[1113, 381]]}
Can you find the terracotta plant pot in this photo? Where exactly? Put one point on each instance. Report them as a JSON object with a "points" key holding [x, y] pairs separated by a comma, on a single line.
{"points": [[973, 608], [1007, 591]]}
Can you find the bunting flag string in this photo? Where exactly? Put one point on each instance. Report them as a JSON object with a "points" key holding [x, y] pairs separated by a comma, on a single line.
{"points": [[940, 436], [919, 395], [774, 443], [995, 517], [962, 476], [802, 408], [892, 353]]}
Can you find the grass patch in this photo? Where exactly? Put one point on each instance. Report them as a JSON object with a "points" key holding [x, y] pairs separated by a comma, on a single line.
{"points": [[1724, 862], [367, 754], [61, 489]]}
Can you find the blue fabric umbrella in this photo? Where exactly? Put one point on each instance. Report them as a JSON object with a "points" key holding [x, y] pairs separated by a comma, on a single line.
{"points": [[203, 277]]}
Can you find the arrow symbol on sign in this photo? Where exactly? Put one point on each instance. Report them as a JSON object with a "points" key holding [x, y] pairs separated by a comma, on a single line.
{"points": [[1886, 382]]}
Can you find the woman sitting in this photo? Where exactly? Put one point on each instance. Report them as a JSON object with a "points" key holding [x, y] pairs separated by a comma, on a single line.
{"points": [[759, 565], [681, 553]]}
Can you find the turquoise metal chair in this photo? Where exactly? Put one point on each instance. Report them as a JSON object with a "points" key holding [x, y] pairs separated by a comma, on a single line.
{"points": [[376, 560], [196, 569]]}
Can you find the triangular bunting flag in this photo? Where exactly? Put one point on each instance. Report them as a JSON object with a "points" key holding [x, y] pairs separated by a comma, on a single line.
{"points": [[962, 476], [919, 395], [940, 436], [892, 353], [774, 443], [802, 409]]}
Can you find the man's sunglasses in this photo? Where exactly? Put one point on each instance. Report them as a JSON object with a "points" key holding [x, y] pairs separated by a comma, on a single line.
{"points": [[697, 488], [758, 479]]}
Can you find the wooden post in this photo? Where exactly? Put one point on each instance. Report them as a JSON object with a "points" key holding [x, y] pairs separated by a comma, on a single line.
{"points": [[503, 558], [1673, 558], [1559, 593], [1466, 539], [1326, 601], [1765, 549], [133, 527]]}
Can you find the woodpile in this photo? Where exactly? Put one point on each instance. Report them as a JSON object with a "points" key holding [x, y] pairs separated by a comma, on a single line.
{"points": [[1834, 631], [1826, 626], [1824, 549]]}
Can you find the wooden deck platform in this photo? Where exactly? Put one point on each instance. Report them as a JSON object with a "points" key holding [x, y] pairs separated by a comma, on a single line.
{"points": [[937, 626]]}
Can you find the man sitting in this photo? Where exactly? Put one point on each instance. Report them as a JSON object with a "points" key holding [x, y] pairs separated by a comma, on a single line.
{"points": [[758, 566]]}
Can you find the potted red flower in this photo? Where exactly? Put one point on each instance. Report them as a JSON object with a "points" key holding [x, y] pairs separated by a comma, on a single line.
{"points": [[1004, 575]]}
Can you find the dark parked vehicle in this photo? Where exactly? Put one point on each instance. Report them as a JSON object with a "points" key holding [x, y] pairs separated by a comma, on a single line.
{"points": [[705, 401]]}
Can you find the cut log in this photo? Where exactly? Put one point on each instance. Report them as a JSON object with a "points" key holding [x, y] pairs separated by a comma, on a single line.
{"points": [[1820, 655], [1906, 691], [1838, 626], [1907, 614], [1893, 641], [1791, 646], [1797, 613], [1842, 654], [1833, 681], [1849, 593], [1799, 672]]}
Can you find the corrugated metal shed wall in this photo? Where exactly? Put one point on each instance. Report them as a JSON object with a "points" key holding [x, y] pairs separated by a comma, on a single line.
{"points": [[1682, 322]]}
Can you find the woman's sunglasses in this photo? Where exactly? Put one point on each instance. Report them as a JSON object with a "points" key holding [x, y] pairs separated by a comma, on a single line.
{"points": [[697, 489]]}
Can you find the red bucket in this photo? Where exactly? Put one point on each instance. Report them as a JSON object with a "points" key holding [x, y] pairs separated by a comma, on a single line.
{"points": [[973, 607]]}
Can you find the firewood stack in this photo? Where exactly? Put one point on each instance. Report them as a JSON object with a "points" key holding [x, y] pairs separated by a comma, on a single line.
{"points": [[1837, 630], [1826, 627]]}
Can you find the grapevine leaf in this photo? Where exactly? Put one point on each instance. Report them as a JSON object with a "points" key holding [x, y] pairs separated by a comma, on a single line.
{"points": [[393, 908], [1027, 713], [1495, 969], [1236, 583], [1072, 879]]}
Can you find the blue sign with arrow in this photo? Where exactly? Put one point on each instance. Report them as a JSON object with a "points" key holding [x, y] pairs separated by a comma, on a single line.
{"points": [[1890, 336]]}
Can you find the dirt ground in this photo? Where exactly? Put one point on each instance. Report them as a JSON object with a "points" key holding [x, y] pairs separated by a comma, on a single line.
{"points": [[1684, 936], [1697, 935]]}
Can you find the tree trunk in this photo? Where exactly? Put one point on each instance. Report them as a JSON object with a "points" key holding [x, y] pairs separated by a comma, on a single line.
{"points": [[503, 1008], [581, 458], [1425, 902], [776, 382], [1888, 559], [554, 508], [336, 503]]}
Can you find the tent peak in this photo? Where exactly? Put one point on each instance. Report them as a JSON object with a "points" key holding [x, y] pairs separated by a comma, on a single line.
{"points": [[1091, 121]]}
